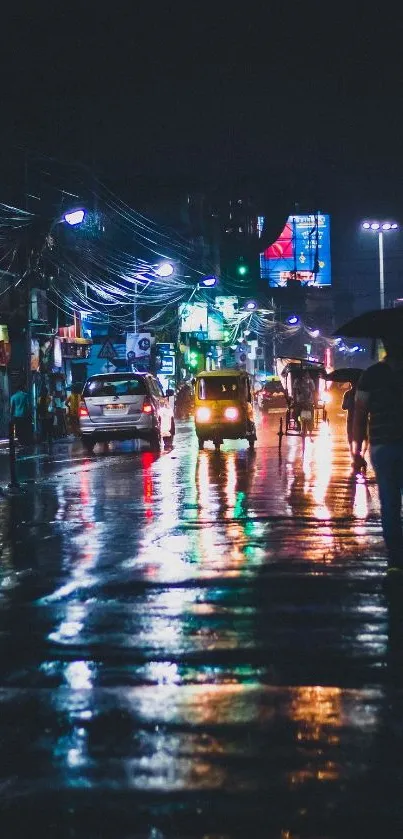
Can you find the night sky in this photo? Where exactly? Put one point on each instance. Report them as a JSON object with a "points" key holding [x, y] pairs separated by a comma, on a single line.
{"points": [[307, 102]]}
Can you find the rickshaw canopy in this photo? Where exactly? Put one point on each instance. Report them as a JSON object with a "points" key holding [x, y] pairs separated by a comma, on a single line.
{"points": [[290, 369]]}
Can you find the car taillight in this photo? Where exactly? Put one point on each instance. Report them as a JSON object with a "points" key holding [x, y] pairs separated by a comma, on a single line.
{"points": [[147, 408], [83, 412]]}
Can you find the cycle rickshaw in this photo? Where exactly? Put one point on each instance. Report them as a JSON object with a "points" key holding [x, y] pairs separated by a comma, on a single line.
{"points": [[303, 421]]}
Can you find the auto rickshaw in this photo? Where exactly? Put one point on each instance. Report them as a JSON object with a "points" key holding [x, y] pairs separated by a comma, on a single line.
{"points": [[224, 407], [290, 369]]}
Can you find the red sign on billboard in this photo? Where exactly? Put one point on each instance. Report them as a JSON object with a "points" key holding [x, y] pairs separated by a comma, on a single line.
{"points": [[282, 248]]}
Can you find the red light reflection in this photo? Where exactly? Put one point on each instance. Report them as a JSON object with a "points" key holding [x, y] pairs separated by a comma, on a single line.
{"points": [[147, 459]]}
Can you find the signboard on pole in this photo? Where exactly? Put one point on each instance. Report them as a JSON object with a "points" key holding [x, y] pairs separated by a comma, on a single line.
{"points": [[193, 317], [168, 365], [215, 324], [107, 350], [35, 358], [5, 353], [108, 367], [138, 345], [227, 305]]}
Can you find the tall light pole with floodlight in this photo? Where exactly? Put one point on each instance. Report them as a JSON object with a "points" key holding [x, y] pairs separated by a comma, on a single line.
{"points": [[73, 218], [380, 227]]}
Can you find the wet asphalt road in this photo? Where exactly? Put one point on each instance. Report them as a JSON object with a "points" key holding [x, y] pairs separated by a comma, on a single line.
{"points": [[199, 645]]}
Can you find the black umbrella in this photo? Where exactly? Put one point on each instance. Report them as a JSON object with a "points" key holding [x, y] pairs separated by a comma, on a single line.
{"points": [[379, 323], [345, 374]]}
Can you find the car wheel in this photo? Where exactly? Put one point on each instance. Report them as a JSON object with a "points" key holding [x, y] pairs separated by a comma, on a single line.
{"points": [[155, 440], [217, 444], [251, 442], [88, 446], [201, 443]]}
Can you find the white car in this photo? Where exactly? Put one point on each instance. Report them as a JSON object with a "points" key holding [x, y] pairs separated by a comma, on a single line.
{"points": [[125, 406]]}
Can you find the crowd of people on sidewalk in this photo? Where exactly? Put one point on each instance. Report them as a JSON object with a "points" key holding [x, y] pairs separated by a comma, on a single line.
{"points": [[56, 414]]}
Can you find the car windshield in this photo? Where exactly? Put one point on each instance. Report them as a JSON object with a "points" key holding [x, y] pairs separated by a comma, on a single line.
{"points": [[125, 386], [225, 387]]}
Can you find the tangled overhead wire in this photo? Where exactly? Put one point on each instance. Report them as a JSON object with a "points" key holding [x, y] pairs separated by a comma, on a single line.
{"points": [[106, 265]]}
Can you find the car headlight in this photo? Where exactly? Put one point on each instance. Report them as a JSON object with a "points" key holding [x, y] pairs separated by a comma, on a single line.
{"points": [[203, 414], [231, 413]]}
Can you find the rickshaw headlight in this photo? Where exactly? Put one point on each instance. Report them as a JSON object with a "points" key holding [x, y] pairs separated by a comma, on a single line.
{"points": [[203, 414], [231, 413]]}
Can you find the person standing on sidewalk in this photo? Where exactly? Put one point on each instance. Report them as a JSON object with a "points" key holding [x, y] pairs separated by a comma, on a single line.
{"points": [[73, 406], [46, 415], [60, 407], [20, 415], [379, 399]]}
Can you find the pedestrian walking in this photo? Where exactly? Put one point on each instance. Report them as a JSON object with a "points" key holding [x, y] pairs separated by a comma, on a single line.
{"points": [[46, 415], [184, 401], [20, 415], [379, 400], [60, 409], [73, 407], [348, 405]]}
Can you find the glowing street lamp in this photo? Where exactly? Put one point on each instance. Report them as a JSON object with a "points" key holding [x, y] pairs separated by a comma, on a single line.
{"points": [[208, 282], [380, 228], [166, 269], [74, 217]]}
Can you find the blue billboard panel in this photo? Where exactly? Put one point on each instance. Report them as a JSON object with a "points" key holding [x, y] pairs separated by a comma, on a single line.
{"points": [[301, 252]]}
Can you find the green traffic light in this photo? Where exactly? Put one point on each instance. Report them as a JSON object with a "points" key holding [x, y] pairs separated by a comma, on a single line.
{"points": [[242, 268], [193, 359]]}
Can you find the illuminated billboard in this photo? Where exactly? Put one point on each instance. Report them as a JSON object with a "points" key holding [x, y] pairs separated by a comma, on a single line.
{"points": [[301, 252], [227, 305], [215, 326], [193, 317]]}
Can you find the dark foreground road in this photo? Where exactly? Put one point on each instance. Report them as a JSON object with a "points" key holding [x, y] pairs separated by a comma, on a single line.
{"points": [[198, 645]]}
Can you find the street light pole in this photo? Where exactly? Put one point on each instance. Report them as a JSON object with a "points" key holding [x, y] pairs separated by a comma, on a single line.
{"points": [[72, 219], [381, 270], [380, 228], [135, 309]]}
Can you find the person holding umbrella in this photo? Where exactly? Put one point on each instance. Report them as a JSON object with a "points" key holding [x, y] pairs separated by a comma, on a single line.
{"points": [[348, 405], [351, 376], [379, 400]]}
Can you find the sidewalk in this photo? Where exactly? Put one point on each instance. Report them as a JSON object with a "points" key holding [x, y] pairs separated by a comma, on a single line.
{"points": [[29, 457]]}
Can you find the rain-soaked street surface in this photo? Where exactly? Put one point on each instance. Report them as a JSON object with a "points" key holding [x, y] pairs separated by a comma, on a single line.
{"points": [[199, 645]]}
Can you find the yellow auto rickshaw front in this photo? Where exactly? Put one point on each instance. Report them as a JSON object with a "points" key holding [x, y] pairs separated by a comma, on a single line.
{"points": [[224, 407]]}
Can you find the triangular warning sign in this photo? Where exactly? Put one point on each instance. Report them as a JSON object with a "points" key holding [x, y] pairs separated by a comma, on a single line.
{"points": [[107, 350]]}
